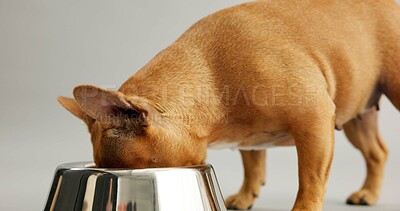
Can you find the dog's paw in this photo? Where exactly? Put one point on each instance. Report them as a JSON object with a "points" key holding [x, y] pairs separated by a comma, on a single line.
{"points": [[240, 201], [363, 197]]}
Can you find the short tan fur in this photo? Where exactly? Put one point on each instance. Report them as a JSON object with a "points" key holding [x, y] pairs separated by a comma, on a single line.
{"points": [[264, 73]]}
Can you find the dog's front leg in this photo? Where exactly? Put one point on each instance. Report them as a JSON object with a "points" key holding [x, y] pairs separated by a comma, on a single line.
{"points": [[314, 139], [254, 177]]}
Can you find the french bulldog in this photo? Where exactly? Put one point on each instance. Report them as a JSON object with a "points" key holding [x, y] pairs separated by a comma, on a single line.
{"points": [[261, 74]]}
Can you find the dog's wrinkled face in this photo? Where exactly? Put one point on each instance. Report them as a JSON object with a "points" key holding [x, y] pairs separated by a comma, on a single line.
{"points": [[130, 133]]}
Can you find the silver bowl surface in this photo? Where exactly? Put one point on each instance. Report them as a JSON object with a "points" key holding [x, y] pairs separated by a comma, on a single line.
{"points": [[80, 186]]}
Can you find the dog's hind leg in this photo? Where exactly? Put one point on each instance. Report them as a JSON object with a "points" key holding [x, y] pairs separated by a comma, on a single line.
{"points": [[363, 134], [254, 177]]}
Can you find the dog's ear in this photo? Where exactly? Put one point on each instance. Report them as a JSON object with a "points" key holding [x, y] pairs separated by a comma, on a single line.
{"points": [[107, 105], [72, 106]]}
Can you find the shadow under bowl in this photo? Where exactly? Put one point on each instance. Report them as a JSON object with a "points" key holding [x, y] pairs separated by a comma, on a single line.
{"points": [[81, 186]]}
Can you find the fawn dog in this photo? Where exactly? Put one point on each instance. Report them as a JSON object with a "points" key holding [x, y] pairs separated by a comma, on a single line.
{"points": [[261, 74]]}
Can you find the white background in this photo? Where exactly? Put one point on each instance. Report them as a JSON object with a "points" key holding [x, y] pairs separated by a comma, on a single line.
{"points": [[48, 47]]}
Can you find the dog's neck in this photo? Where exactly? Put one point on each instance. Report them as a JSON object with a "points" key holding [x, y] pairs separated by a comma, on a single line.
{"points": [[178, 81]]}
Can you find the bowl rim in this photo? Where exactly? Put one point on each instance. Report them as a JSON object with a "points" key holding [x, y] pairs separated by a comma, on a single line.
{"points": [[89, 165]]}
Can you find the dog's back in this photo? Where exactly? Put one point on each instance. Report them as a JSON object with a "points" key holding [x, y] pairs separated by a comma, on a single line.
{"points": [[274, 42]]}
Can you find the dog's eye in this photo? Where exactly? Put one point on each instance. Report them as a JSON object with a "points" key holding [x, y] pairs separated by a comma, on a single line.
{"points": [[119, 133], [112, 133]]}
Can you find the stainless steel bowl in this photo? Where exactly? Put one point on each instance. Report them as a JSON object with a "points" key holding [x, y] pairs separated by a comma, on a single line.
{"points": [[80, 186]]}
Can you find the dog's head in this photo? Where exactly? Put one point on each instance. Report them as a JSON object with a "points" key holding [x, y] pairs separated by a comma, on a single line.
{"points": [[130, 132]]}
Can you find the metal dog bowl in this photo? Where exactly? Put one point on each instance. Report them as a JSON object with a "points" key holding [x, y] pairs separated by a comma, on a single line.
{"points": [[80, 186]]}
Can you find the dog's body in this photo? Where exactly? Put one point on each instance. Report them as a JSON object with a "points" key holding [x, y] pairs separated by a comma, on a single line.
{"points": [[266, 73]]}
